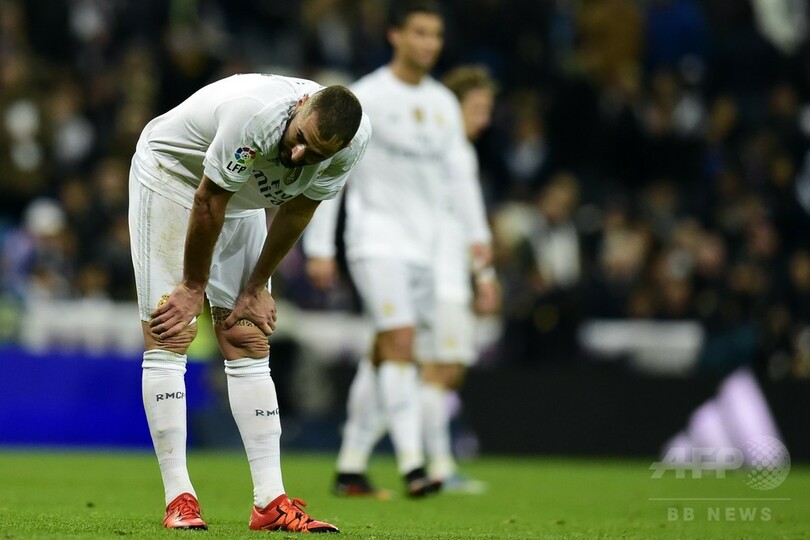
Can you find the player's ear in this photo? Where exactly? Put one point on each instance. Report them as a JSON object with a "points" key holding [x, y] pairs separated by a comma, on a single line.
{"points": [[393, 36], [301, 101]]}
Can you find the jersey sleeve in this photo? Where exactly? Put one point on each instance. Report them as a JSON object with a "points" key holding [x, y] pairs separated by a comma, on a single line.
{"points": [[229, 159], [471, 198]]}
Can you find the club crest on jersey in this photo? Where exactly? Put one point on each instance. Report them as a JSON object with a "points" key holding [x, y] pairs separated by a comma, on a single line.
{"points": [[292, 176], [244, 155]]}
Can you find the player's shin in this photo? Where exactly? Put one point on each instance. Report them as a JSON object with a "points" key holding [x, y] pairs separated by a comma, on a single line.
{"points": [[436, 429], [399, 388], [164, 400], [364, 423], [254, 405]]}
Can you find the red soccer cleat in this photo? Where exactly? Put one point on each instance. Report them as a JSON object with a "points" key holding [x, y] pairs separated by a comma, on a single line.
{"points": [[284, 514], [184, 513]]}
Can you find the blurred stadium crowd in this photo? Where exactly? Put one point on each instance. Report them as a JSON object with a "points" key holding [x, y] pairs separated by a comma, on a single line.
{"points": [[648, 158]]}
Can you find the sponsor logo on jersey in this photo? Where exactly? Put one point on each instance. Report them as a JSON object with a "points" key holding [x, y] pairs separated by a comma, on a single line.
{"points": [[271, 189], [244, 155], [418, 115]]}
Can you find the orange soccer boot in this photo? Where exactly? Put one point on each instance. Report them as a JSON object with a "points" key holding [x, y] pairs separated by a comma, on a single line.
{"points": [[283, 514], [184, 513]]}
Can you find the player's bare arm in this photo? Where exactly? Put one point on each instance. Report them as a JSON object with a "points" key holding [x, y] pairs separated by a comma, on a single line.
{"points": [[205, 224], [481, 255], [255, 303], [322, 271]]}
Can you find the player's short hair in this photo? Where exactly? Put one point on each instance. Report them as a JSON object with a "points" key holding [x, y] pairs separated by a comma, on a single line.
{"points": [[402, 9], [339, 113], [462, 79]]}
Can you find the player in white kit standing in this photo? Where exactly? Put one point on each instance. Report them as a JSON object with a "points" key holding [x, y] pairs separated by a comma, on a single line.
{"points": [[395, 203], [465, 286], [201, 177]]}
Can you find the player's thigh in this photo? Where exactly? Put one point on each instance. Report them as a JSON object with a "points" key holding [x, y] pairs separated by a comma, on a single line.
{"points": [[235, 256], [157, 228]]}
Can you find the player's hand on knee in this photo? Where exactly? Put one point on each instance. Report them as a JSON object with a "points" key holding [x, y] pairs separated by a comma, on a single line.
{"points": [[258, 307], [176, 312]]}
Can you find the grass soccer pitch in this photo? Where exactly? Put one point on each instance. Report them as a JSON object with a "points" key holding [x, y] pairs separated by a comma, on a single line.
{"points": [[60, 495]]}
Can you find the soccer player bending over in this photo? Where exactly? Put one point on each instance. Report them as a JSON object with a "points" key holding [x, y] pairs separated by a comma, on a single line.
{"points": [[201, 177]]}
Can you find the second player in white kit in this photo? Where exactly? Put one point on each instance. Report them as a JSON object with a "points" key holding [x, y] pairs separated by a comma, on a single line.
{"points": [[397, 203]]}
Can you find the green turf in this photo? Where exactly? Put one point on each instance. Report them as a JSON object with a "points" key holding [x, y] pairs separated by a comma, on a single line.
{"points": [[108, 495]]}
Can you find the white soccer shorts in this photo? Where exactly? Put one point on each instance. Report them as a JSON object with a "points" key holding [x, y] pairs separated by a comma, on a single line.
{"points": [[157, 234], [450, 339], [395, 294]]}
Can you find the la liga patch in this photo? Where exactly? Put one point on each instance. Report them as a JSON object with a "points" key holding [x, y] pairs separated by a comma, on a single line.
{"points": [[244, 155]]}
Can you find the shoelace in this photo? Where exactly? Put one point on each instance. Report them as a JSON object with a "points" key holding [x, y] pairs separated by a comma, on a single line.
{"points": [[300, 515], [187, 508]]}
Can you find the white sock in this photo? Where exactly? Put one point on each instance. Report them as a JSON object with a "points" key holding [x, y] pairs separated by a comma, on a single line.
{"points": [[399, 389], [364, 422], [254, 406], [164, 401], [436, 429]]}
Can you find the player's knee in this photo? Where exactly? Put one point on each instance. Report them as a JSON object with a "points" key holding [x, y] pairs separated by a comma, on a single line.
{"points": [[454, 380], [243, 342], [395, 344], [178, 344], [448, 376]]}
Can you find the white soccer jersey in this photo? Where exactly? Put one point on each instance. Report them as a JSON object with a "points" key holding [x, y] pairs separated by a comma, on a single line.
{"points": [[398, 192], [230, 131]]}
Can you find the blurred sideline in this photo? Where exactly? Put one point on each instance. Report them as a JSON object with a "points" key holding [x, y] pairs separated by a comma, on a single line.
{"points": [[91, 352], [97, 327]]}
